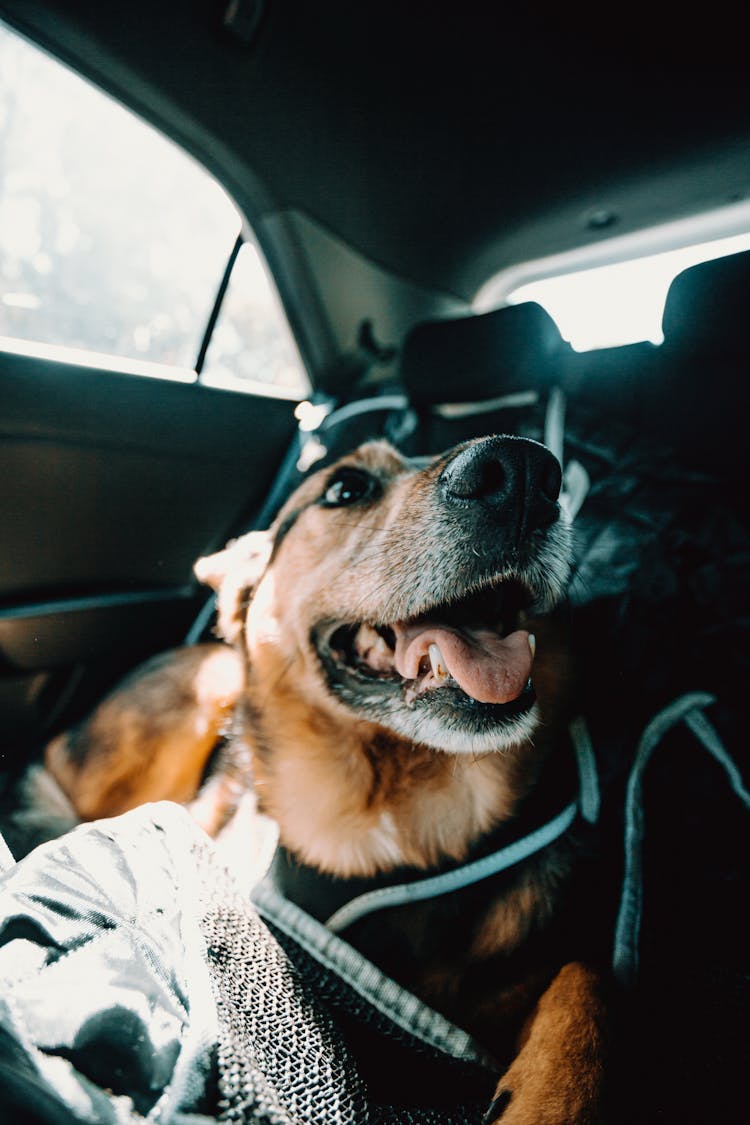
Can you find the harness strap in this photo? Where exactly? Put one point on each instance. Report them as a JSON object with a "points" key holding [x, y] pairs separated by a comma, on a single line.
{"points": [[688, 709], [586, 803], [456, 879]]}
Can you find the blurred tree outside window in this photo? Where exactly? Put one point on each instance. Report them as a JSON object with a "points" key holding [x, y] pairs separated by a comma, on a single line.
{"points": [[115, 241]]}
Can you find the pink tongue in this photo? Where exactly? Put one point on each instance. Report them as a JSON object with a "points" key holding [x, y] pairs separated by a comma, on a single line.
{"points": [[489, 668]]}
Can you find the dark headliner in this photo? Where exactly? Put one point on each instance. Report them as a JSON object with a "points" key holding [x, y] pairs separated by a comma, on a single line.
{"points": [[444, 141]]}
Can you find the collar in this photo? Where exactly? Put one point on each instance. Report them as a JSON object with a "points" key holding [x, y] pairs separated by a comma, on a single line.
{"points": [[545, 818]]}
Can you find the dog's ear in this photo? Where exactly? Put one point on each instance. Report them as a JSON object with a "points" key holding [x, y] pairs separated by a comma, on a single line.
{"points": [[234, 574]]}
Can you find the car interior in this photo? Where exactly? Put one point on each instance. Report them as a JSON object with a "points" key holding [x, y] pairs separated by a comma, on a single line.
{"points": [[390, 163]]}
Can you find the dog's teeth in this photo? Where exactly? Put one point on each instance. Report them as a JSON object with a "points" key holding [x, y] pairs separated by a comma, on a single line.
{"points": [[366, 638], [437, 663], [532, 643], [380, 649], [373, 650]]}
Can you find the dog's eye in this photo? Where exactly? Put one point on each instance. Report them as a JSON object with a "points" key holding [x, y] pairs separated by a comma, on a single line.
{"points": [[347, 486]]}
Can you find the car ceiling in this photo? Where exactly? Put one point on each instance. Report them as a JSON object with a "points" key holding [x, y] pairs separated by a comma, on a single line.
{"points": [[442, 142]]}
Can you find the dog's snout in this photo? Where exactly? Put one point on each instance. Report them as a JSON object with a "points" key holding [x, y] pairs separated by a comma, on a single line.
{"points": [[518, 478]]}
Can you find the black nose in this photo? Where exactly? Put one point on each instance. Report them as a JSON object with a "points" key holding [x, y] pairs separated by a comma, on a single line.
{"points": [[517, 479]]}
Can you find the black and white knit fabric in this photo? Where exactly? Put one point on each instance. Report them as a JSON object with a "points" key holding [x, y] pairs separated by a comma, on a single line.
{"points": [[139, 983]]}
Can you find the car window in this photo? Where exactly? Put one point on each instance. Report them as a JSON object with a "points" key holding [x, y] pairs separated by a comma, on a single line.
{"points": [[613, 293], [114, 240], [251, 339]]}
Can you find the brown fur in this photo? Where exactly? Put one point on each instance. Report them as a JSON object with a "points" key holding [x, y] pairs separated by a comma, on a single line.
{"points": [[151, 738], [350, 795]]}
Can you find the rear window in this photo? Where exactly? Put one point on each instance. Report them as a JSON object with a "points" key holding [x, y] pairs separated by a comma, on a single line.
{"points": [[614, 293]]}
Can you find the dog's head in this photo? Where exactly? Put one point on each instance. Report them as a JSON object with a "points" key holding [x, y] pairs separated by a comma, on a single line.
{"points": [[404, 594]]}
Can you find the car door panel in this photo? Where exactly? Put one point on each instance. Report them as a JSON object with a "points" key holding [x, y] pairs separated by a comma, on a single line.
{"points": [[113, 485]]}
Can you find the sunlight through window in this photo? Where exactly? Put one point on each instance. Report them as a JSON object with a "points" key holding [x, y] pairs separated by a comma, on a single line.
{"points": [[621, 303]]}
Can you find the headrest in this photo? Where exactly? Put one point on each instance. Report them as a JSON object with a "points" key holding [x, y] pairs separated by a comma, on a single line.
{"points": [[481, 357], [708, 305]]}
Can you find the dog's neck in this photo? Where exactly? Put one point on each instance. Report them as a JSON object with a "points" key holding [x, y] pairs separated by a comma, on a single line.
{"points": [[355, 800], [545, 815]]}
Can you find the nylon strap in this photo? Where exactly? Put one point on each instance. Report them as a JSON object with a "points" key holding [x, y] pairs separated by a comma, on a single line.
{"points": [[586, 803]]}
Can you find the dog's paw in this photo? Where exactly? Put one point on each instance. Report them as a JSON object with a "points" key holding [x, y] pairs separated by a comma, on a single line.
{"points": [[541, 1103], [557, 1078], [542, 1100], [538, 1107]]}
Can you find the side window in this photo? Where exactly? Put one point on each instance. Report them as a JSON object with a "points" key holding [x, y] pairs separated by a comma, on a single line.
{"points": [[114, 241], [251, 339]]}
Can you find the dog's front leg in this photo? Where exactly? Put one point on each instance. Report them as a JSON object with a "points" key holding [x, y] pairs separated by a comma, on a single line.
{"points": [[556, 1078]]}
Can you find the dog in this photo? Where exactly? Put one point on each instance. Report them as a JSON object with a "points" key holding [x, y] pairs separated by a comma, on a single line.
{"points": [[394, 683]]}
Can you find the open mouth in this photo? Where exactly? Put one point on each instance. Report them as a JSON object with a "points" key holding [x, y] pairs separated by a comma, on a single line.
{"points": [[475, 650]]}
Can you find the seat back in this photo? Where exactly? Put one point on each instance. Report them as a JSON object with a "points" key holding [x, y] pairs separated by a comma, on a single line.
{"points": [[706, 353], [482, 374]]}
